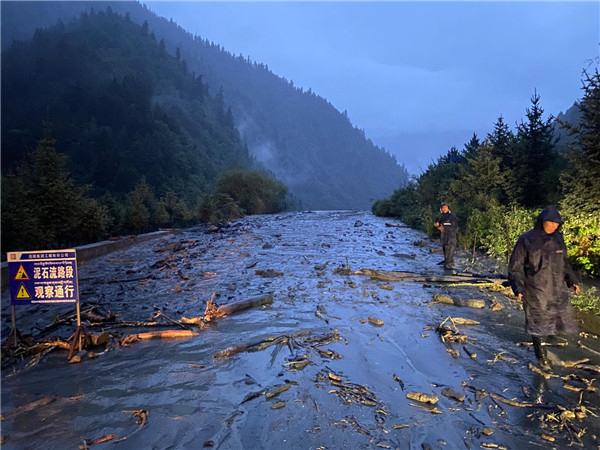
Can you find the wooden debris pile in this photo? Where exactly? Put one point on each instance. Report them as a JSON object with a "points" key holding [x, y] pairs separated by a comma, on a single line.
{"points": [[450, 333], [109, 338], [299, 357], [564, 424], [356, 394]]}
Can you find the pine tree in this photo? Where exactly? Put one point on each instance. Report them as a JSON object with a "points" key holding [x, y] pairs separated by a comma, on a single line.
{"points": [[533, 158], [581, 181], [43, 208], [501, 140], [479, 180], [471, 147]]}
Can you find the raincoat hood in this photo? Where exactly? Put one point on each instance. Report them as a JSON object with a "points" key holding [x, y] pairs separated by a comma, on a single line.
{"points": [[549, 214]]}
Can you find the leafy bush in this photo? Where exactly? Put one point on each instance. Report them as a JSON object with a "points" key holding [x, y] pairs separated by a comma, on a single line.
{"points": [[217, 208], [587, 300], [254, 192], [503, 228], [582, 236]]}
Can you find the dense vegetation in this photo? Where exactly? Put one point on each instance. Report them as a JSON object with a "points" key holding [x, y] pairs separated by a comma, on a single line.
{"points": [[326, 162], [104, 132], [498, 186]]}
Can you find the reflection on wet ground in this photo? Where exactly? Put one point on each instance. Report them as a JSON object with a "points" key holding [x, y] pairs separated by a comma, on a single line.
{"points": [[328, 364]]}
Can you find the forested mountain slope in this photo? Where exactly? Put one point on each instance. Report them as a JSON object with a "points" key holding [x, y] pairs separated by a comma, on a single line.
{"points": [[118, 105], [309, 145]]}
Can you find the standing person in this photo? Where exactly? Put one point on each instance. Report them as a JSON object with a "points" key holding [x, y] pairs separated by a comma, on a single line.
{"points": [[540, 276], [447, 223]]}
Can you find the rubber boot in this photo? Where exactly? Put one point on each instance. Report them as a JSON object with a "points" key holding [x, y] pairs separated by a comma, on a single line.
{"points": [[540, 352]]}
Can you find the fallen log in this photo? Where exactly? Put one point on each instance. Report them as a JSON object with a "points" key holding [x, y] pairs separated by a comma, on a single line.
{"points": [[165, 334], [54, 343], [261, 345], [468, 302], [387, 275], [212, 312]]}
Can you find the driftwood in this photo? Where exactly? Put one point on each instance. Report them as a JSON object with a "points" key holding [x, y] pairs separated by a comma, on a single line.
{"points": [[483, 393], [423, 398], [375, 321], [165, 334], [261, 345], [212, 312], [141, 418], [386, 275], [451, 393], [468, 302]]}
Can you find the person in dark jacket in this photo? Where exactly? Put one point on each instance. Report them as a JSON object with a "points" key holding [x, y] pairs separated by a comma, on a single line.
{"points": [[447, 223], [540, 276]]}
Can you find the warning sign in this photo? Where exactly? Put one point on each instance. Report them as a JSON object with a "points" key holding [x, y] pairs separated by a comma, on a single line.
{"points": [[21, 274], [48, 276], [22, 293]]}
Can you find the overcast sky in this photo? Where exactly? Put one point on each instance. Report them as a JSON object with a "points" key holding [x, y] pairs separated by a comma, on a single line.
{"points": [[407, 72]]}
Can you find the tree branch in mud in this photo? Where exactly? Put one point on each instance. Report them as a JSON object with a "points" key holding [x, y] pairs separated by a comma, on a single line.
{"points": [[483, 393], [213, 312], [261, 345], [141, 418]]}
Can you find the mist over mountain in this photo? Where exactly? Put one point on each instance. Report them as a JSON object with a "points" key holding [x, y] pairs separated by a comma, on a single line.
{"points": [[326, 162]]}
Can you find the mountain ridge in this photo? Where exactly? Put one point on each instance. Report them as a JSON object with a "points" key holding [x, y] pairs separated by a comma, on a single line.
{"points": [[307, 143]]}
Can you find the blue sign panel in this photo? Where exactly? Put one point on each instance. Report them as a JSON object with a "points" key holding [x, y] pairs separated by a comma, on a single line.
{"points": [[47, 276]]}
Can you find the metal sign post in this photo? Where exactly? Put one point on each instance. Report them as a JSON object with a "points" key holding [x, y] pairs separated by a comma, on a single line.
{"points": [[44, 276]]}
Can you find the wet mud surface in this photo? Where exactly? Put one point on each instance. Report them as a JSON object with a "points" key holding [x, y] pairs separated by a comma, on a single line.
{"points": [[341, 350]]}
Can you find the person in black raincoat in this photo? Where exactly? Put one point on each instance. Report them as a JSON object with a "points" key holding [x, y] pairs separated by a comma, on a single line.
{"points": [[447, 223], [541, 276]]}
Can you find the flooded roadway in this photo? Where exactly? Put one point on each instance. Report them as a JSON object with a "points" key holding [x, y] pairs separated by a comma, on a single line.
{"points": [[351, 393]]}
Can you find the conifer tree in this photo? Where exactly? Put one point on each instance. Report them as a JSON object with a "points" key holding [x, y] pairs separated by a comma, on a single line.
{"points": [[533, 158], [501, 140], [42, 207], [581, 181], [471, 147]]}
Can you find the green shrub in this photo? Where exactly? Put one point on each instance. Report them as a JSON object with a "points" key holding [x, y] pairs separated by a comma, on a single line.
{"points": [[582, 236], [503, 228], [254, 192], [587, 300], [218, 208]]}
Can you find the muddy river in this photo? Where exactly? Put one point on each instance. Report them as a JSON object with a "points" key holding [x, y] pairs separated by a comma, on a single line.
{"points": [[339, 359]]}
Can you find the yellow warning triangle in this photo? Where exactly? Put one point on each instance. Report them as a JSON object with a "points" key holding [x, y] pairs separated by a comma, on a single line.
{"points": [[23, 294], [21, 274]]}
